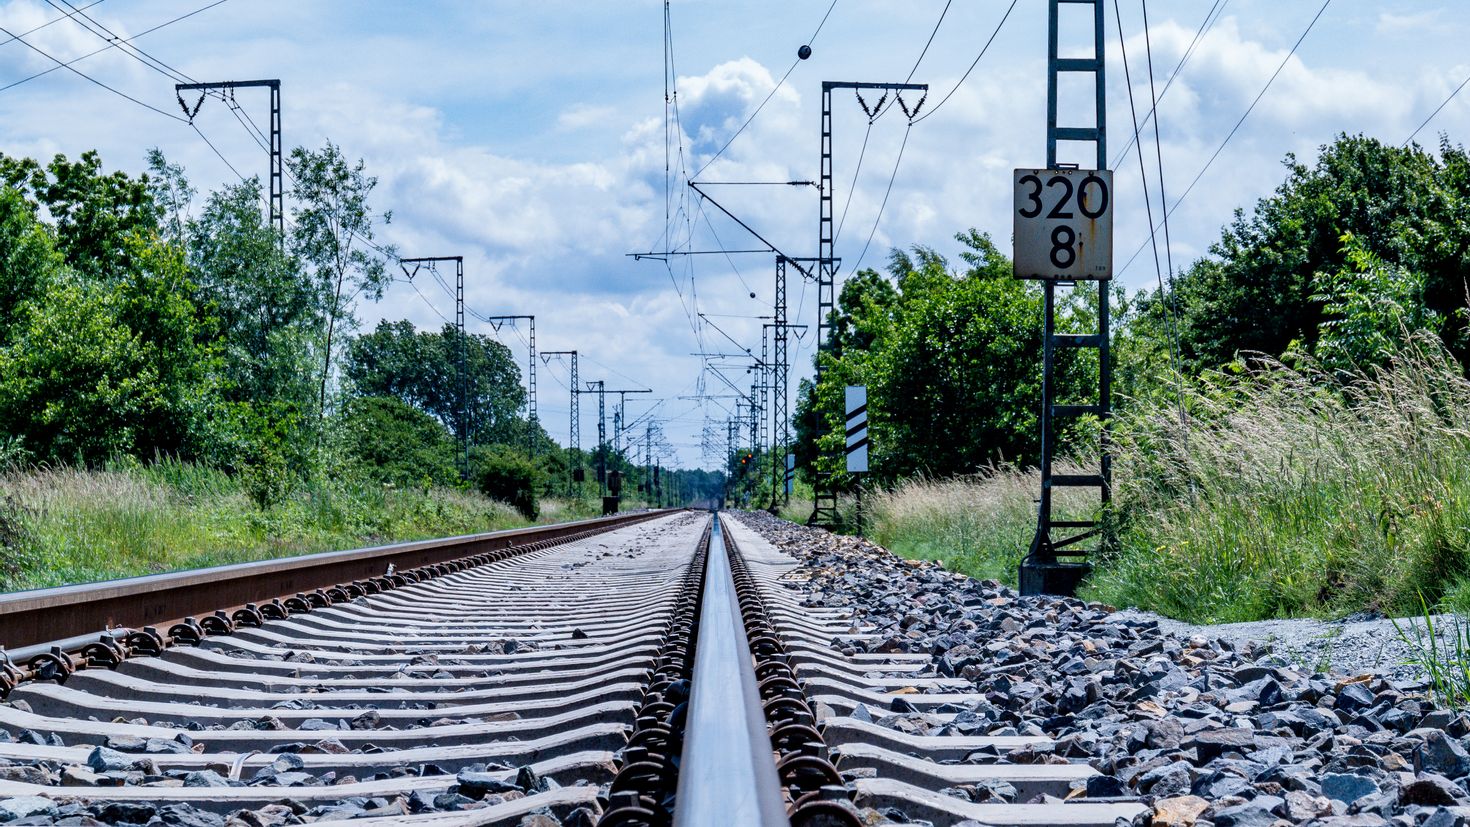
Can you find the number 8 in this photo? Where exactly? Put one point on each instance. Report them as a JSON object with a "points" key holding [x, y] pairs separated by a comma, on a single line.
{"points": [[1060, 246]]}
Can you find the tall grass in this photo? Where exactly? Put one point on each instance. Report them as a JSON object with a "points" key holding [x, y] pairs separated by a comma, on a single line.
{"points": [[1288, 492], [980, 524], [1293, 492], [62, 525]]}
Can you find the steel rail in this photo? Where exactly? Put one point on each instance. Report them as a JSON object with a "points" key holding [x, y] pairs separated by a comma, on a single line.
{"points": [[41, 618], [727, 774]]}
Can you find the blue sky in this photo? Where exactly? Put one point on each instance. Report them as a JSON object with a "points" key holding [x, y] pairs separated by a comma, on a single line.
{"points": [[528, 137]]}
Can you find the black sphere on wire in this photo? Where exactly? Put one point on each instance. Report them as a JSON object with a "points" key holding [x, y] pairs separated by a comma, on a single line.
{"points": [[804, 52]]}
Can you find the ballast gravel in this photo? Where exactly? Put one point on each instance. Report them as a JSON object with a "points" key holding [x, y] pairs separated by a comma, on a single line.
{"points": [[1208, 730]]}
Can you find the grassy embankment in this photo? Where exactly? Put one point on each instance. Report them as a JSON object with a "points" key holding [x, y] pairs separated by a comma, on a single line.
{"points": [[1287, 493], [62, 526]]}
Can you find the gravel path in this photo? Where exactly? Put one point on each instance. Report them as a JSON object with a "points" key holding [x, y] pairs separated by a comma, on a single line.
{"points": [[1352, 646], [1208, 726]]}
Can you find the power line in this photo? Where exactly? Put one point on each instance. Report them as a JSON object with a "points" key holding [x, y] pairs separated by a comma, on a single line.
{"points": [[886, 193], [1165, 297], [930, 41], [1233, 129], [67, 64], [1158, 142], [1436, 111], [772, 94], [79, 73], [93, 26], [1205, 25], [966, 75], [48, 23]]}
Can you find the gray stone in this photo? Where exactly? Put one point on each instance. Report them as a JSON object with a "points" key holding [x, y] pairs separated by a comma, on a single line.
{"points": [[1430, 789], [1258, 812], [477, 785], [1211, 744], [1443, 755], [1347, 788], [102, 759], [26, 806], [205, 778]]}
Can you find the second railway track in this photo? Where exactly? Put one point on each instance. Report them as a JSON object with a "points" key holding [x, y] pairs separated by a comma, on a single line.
{"points": [[645, 674]]}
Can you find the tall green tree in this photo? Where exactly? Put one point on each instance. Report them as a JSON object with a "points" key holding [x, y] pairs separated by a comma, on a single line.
{"points": [[1268, 282], [171, 193], [92, 213], [27, 255], [94, 368], [951, 359], [422, 369], [334, 225], [267, 306]]}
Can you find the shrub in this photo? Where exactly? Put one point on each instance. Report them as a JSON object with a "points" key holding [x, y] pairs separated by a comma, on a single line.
{"points": [[390, 441], [510, 477]]}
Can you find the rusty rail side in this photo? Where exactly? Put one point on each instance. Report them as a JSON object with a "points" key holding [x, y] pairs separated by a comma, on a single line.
{"points": [[44, 615]]}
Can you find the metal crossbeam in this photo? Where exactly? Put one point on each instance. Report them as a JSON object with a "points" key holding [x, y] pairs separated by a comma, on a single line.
{"points": [[277, 172]]}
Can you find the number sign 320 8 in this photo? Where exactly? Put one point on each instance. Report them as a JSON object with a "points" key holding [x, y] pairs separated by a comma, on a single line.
{"points": [[1064, 223]]}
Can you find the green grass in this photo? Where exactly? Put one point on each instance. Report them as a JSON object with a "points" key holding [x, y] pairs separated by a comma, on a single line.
{"points": [[1446, 662], [63, 526], [1287, 493], [980, 524]]}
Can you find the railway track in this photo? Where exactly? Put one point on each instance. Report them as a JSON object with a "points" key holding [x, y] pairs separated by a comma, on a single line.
{"points": [[639, 671]]}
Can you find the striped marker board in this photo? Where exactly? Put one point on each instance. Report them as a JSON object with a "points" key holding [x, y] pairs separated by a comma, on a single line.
{"points": [[857, 429]]}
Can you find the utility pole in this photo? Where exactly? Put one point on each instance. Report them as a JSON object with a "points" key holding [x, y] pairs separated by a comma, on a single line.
{"points": [[460, 349], [599, 387], [574, 432], [227, 89], [620, 417], [532, 445], [1049, 248], [824, 507], [648, 461]]}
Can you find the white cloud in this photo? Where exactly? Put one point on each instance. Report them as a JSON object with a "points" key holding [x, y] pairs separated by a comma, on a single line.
{"points": [[585, 116], [1389, 23]]}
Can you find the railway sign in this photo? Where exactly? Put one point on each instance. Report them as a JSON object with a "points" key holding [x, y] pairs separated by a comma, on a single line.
{"points": [[1064, 224], [790, 472], [857, 429]]}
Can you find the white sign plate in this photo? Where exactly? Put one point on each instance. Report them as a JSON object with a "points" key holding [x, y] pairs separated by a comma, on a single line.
{"points": [[857, 429], [1064, 224]]}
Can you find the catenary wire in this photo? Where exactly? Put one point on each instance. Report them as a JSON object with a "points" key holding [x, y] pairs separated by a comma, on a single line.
{"points": [[768, 97], [68, 64], [83, 75], [1233, 130], [50, 22], [1442, 105], [1211, 17], [976, 62]]}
